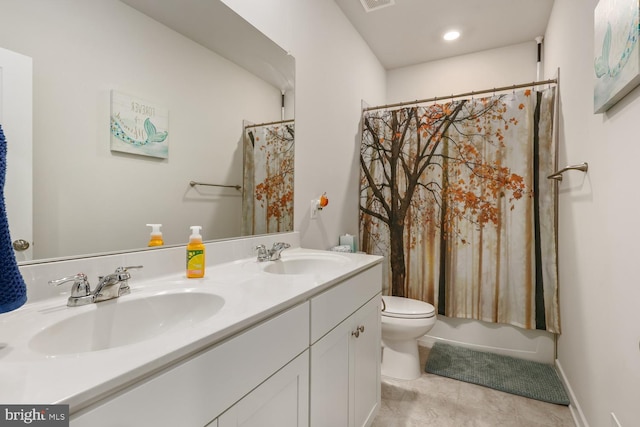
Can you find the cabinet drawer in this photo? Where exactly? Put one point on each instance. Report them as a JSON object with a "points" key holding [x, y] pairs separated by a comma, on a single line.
{"points": [[194, 392], [336, 304]]}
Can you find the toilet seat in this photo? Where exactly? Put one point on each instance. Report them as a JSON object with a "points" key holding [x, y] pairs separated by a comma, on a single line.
{"points": [[406, 308]]}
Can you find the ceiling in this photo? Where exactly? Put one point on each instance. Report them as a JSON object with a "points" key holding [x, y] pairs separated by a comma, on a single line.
{"points": [[410, 31], [231, 36]]}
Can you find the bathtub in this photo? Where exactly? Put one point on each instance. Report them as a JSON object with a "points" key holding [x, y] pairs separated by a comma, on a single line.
{"points": [[535, 345]]}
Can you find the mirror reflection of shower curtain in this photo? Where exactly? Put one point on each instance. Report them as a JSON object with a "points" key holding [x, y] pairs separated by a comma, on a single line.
{"points": [[268, 178], [455, 196]]}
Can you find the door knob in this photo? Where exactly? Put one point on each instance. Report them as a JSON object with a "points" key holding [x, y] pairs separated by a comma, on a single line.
{"points": [[20, 245]]}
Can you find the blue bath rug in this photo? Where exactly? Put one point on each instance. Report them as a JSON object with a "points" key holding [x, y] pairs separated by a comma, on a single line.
{"points": [[516, 376]]}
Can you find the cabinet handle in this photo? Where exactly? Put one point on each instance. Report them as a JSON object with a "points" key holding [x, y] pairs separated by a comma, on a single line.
{"points": [[357, 332]]}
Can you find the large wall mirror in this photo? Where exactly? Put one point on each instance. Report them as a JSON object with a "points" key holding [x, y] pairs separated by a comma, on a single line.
{"points": [[199, 67]]}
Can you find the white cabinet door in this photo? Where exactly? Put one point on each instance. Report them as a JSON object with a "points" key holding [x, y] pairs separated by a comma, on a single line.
{"points": [[282, 400], [329, 386], [16, 99], [345, 371], [366, 366]]}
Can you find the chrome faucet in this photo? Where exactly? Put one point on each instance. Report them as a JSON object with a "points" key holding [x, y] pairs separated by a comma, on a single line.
{"points": [[110, 286], [113, 285], [276, 250], [272, 254], [80, 291]]}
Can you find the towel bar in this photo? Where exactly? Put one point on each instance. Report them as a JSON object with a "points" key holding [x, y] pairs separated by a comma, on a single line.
{"points": [[193, 184], [558, 174]]}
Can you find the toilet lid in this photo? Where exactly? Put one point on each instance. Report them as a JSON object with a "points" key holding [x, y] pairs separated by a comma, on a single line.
{"points": [[406, 308]]}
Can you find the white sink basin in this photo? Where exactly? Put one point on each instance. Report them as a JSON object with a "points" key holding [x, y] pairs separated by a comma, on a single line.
{"points": [[306, 264], [123, 321]]}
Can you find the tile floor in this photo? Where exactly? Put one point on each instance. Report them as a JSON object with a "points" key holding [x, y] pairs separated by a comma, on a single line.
{"points": [[437, 401]]}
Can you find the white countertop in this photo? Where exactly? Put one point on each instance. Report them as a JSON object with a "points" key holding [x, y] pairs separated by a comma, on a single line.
{"points": [[251, 295]]}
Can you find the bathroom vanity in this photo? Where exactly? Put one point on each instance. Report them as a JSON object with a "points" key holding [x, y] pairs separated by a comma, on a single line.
{"points": [[294, 342]]}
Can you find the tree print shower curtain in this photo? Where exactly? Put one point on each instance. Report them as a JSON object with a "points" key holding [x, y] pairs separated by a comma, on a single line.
{"points": [[455, 196], [268, 178]]}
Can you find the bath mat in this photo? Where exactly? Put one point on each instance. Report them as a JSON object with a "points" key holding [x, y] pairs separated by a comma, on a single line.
{"points": [[516, 376]]}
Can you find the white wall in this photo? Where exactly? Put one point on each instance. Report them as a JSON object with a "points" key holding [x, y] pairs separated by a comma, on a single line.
{"points": [[83, 193], [598, 251], [460, 74], [335, 71]]}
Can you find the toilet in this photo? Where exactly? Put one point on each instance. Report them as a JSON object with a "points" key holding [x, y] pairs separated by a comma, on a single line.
{"points": [[404, 320]]}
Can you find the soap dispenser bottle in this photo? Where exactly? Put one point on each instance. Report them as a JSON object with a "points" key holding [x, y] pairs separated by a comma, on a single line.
{"points": [[195, 254], [156, 235]]}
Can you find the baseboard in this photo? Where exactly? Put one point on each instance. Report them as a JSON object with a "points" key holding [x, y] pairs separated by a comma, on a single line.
{"points": [[576, 412]]}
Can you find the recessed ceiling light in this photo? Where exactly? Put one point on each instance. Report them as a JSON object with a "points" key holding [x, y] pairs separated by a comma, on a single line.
{"points": [[451, 35]]}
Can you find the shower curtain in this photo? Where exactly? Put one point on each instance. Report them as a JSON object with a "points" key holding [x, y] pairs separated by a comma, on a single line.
{"points": [[455, 196], [268, 178]]}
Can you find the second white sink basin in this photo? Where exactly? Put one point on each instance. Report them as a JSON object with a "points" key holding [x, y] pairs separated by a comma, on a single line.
{"points": [[306, 264], [123, 321]]}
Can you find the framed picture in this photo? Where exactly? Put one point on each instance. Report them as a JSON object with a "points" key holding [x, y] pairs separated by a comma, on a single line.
{"points": [[616, 58], [139, 126]]}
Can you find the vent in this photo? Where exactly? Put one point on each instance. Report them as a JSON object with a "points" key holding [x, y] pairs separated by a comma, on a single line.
{"points": [[371, 5]]}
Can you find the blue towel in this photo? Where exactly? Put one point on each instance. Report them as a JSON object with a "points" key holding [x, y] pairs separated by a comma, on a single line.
{"points": [[13, 291]]}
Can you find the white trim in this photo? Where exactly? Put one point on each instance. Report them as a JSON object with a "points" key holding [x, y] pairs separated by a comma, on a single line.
{"points": [[576, 412]]}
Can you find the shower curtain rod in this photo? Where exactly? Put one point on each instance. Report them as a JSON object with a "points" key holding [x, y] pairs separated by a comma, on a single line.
{"points": [[460, 95], [269, 123]]}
